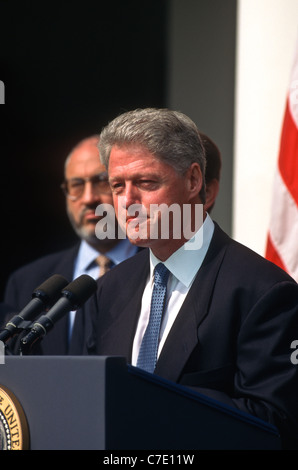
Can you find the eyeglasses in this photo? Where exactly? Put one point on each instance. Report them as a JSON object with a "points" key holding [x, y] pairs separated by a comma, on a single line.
{"points": [[74, 187]]}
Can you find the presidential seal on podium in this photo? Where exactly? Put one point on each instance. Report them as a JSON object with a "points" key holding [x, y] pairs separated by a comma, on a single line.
{"points": [[14, 431]]}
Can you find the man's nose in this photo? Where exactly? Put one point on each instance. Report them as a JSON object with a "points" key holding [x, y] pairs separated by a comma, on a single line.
{"points": [[131, 195], [90, 193]]}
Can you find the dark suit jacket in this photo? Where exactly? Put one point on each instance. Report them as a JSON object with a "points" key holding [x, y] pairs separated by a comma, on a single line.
{"points": [[231, 339], [22, 283]]}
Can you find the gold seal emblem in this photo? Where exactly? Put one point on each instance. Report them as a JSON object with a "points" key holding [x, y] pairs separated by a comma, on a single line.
{"points": [[14, 431]]}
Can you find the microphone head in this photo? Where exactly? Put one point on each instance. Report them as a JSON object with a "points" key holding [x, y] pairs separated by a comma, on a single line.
{"points": [[79, 290], [50, 290]]}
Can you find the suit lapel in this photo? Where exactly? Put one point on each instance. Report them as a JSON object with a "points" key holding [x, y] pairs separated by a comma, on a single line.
{"points": [[124, 312], [56, 342], [183, 336], [66, 265]]}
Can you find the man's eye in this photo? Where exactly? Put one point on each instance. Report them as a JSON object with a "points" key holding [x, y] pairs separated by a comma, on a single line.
{"points": [[116, 186], [76, 184], [147, 184]]}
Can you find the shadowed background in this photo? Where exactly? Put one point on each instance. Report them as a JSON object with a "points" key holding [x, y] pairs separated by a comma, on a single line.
{"points": [[68, 69]]}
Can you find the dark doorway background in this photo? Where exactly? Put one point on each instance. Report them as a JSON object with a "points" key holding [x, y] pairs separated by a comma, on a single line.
{"points": [[68, 69]]}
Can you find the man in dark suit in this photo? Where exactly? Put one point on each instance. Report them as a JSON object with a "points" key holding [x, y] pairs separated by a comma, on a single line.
{"points": [[85, 186], [84, 159], [229, 316]]}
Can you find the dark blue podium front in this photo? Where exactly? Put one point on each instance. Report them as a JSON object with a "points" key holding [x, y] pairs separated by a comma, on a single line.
{"points": [[73, 402]]}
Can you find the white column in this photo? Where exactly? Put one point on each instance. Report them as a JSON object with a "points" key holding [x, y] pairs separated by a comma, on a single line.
{"points": [[266, 39], [2, 93]]}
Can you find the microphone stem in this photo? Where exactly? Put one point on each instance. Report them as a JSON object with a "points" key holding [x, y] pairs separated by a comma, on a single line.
{"points": [[37, 332]]}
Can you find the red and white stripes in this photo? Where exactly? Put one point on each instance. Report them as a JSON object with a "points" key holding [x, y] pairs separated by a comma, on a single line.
{"points": [[282, 240]]}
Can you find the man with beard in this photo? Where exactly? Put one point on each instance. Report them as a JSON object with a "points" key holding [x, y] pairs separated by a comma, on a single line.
{"points": [[86, 187]]}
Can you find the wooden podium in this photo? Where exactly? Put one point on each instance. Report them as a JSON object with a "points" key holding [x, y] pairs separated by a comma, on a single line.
{"points": [[88, 403]]}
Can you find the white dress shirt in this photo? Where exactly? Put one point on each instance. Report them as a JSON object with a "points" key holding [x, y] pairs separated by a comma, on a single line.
{"points": [[183, 265]]}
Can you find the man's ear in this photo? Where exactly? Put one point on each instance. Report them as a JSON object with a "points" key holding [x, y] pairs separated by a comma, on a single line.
{"points": [[194, 180], [212, 189]]}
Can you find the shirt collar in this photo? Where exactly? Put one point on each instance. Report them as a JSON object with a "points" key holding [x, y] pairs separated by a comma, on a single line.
{"points": [[86, 255], [186, 261]]}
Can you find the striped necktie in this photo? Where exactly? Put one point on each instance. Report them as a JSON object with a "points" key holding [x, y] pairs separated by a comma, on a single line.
{"points": [[104, 263]]}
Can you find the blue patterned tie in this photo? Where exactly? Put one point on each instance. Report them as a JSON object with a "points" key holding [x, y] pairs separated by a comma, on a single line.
{"points": [[148, 351]]}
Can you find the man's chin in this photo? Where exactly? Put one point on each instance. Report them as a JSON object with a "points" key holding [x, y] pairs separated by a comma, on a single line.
{"points": [[144, 243], [87, 234]]}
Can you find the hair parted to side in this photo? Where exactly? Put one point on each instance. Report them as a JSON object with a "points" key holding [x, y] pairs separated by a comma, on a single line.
{"points": [[170, 136]]}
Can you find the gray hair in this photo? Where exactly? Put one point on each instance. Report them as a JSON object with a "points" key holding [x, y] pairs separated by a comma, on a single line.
{"points": [[170, 136]]}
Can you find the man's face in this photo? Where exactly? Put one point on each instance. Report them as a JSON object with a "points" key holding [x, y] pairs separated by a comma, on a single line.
{"points": [[138, 177], [85, 163]]}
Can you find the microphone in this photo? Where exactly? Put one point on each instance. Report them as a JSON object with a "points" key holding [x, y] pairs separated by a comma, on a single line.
{"points": [[43, 297], [73, 296]]}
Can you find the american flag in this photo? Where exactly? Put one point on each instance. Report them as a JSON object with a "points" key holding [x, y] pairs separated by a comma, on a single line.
{"points": [[282, 239]]}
